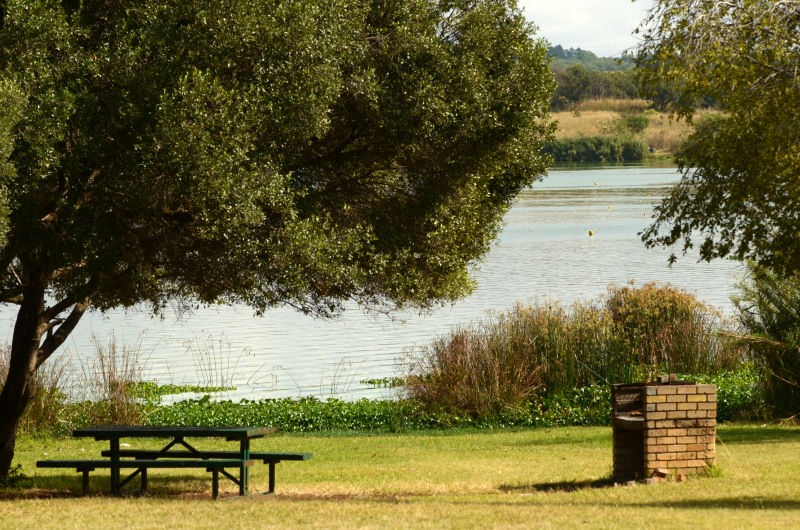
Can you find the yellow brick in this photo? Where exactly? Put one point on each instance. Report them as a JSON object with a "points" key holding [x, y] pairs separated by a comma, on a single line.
{"points": [[687, 389], [667, 406], [680, 414], [676, 399], [656, 399], [665, 390], [696, 398], [656, 415], [676, 432]]}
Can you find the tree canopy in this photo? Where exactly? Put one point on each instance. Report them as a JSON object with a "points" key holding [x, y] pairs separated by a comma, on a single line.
{"points": [[298, 152], [740, 191]]}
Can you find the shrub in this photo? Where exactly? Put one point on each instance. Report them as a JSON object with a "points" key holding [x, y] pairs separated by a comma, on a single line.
{"points": [[768, 308], [596, 149], [669, 330], [531, 352]]}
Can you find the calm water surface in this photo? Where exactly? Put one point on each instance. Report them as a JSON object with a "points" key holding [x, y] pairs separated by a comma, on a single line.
{"points": [[544, 251]]}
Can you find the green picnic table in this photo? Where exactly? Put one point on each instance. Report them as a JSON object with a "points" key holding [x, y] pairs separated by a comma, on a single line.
{"points": [[177, 453]]}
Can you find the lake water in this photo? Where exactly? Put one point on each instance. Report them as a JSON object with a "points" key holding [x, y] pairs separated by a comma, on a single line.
{"points": [[544, 251]]}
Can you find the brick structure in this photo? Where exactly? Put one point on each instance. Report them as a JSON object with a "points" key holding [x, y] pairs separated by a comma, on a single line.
{"points": [[664, 427]]}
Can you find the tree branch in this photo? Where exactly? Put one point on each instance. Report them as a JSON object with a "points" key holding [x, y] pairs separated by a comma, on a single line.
{"points": [[56, 339]]}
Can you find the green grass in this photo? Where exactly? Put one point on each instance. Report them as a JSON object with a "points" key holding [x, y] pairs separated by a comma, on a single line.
{"points": [[538, 478]]}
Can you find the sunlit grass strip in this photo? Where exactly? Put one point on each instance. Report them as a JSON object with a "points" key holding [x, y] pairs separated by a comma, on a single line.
{"points": [[511, 479]]}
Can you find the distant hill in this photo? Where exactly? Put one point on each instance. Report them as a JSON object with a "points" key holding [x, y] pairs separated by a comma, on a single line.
{"points": [[564, 58]]}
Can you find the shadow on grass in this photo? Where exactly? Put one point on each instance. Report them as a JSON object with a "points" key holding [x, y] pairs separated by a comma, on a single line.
{"points": [[730, 503], [568, 486], [753, 434]]}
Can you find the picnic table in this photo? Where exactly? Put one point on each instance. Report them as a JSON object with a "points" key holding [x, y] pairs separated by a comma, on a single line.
{"points": [[177, 453]]}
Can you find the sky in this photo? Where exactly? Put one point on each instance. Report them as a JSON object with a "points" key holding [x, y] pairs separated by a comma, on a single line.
{"points": [[604, 27]]}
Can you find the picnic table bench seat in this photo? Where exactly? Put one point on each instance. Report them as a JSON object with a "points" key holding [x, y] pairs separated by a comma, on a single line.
{"points": [[255, 455], [268, 458], [215, 466]]}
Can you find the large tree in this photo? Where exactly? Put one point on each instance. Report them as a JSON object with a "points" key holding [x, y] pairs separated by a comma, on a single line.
{"points": [[291, 152], [740, 191]]}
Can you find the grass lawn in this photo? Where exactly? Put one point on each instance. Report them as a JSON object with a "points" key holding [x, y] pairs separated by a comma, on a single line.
{"points": [[543, 478]]}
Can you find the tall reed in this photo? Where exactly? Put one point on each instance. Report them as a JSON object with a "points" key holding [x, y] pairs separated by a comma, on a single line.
{"points": [[108, 383]]}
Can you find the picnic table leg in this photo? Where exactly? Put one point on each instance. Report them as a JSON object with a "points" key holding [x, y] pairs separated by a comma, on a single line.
{"points": [[115, 470], [244, 471], [272, 477]]}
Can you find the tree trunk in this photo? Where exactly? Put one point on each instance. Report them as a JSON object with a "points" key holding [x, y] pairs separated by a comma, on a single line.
{"points": [[28, 331]]}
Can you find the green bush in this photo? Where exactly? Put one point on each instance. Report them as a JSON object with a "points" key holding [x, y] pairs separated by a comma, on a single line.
{"points": [[768, 308], [616, 148], [739, 393]]}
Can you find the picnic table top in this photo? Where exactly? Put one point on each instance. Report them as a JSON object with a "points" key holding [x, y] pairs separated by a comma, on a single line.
{"points": [[107, 432]]}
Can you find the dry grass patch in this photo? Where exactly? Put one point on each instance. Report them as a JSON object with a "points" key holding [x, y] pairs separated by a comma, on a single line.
{"points": [[614, 105], [583, 123], [593, 117]]}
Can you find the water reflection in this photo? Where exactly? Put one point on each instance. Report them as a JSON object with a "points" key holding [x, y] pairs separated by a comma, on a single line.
{"points": [[544, 251]]}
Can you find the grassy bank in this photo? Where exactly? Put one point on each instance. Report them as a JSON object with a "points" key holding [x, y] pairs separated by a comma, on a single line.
{"points": [[543, 478], [603, 120]]}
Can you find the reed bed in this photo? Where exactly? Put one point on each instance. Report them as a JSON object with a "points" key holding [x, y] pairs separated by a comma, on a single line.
{"points": [[511, 358]]}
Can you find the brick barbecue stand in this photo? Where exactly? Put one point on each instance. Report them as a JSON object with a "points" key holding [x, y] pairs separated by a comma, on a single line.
{"points": [[661, 428]]}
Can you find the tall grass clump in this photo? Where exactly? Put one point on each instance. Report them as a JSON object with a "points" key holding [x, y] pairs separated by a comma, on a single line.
{"points": [[668, 330], [108, 389], [48, 401], [768, 308], [546, 349]]}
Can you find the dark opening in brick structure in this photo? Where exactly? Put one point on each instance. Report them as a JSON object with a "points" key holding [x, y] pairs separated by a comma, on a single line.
{"points": [[668, 426]]}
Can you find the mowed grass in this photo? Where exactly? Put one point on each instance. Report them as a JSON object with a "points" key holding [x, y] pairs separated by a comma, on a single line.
{"points": [[543, 478]]}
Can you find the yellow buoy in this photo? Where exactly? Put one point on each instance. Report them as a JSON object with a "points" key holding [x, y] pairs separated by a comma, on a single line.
{"points": [[591, 233]]}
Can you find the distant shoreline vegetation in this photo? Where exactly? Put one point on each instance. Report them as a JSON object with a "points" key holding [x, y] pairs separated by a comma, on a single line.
{"points": [[615, 130]]}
